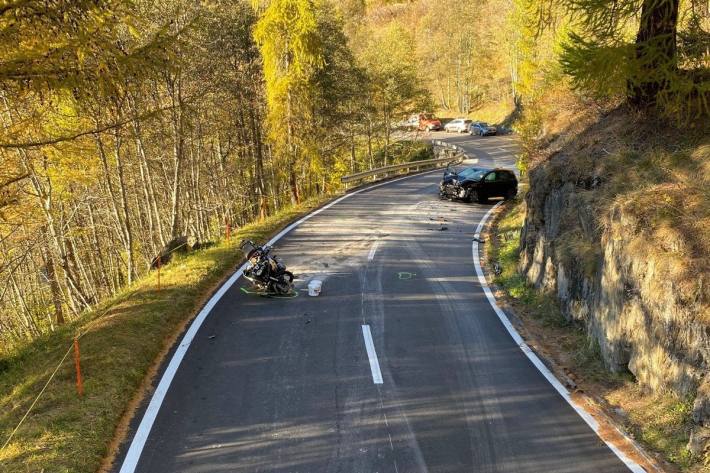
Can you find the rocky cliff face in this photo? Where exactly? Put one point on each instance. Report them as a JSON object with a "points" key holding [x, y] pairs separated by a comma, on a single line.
{"points": [[611, 271]]}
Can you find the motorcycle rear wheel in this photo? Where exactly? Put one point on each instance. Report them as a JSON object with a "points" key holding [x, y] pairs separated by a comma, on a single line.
{"points": [[284, 285]]}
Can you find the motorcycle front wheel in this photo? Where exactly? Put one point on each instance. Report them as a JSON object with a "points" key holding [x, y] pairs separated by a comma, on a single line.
{"points": [[282, 288]]}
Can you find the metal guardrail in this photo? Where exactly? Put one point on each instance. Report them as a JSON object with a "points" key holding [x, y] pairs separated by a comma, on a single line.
{"points": [[458, 157]]}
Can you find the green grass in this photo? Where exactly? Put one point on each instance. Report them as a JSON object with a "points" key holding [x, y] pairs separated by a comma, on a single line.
{"points": [[660, 421], [666, 427], [124, 338], [506, 252]]}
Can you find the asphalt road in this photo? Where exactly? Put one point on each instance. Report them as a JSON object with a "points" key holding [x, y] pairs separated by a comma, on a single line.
{"points": [[491, 151], [286, 385]]}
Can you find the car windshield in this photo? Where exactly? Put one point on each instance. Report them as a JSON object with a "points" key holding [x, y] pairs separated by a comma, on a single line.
{"points": [[429, 116], [482, 124], [472, 173]]}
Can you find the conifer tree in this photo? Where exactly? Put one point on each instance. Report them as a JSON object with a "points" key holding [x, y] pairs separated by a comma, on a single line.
{"points": [[631, 47]]}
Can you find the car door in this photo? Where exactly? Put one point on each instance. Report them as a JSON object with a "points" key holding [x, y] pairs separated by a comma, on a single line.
{"points": [[491, 185], [508, 182]]}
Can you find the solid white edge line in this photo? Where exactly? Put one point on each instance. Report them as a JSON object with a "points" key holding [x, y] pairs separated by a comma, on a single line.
{"points": [[135, 450], [632, 465], [372, 355]]}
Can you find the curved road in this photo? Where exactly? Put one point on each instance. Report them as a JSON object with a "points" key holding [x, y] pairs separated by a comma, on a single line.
{"points": [[292, 385]]}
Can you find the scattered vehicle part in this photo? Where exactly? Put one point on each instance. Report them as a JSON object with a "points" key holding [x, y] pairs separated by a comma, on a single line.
{"points": [[314, 287]]}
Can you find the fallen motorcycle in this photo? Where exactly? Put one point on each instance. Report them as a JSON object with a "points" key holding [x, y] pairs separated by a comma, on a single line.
{"points": [[267, 274]]}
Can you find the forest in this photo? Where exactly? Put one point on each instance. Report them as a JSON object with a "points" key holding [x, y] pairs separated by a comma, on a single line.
{"points": [[125, 124]]}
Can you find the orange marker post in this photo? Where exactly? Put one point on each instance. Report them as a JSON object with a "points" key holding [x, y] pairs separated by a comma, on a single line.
{"points": [[229, 230], [77, 365]]}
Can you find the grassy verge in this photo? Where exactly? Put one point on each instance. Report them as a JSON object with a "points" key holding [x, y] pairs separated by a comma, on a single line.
{"points": [[124, 338], [660, 422]]}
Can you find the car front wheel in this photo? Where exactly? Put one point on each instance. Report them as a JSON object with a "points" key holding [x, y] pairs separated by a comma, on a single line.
{"points": [[477, 196]]}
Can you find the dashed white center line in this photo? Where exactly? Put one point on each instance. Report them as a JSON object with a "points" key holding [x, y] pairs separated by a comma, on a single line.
{"points": [[373, 250], [372, 355]]}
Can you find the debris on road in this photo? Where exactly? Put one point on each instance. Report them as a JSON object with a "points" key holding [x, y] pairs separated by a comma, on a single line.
{"points": [[314, 287]]}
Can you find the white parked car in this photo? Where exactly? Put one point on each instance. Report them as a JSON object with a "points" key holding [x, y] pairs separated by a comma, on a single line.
{"points": [[457, 125]]}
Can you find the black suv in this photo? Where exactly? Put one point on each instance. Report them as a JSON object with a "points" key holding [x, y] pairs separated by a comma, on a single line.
{"points": [[478, 184]]}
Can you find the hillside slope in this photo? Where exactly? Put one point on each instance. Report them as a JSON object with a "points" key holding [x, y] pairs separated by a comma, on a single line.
{"points": [[618, 229]]}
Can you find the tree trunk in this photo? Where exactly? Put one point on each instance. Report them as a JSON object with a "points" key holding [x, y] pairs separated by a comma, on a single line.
{"points": [[655, 51], [128, 230], [259, 162], [146, 176], [178, 155]]}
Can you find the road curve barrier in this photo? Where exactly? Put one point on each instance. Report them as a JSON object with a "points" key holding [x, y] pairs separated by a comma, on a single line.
{"points": [[453, 155]]}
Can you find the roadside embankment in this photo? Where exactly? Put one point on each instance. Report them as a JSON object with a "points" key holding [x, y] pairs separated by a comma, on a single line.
{"points": [[615, 237]]}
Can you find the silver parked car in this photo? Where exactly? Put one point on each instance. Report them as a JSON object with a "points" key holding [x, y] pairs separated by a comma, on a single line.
{"points": [[457, 125]]}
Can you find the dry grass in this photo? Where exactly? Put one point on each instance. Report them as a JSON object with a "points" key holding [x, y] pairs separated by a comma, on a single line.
{"points": [[654, 174], [125, 336], [664, 190], [493, 112]]}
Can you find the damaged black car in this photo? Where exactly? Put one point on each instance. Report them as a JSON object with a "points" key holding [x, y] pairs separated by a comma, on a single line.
{"points": [[478, 184]]}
